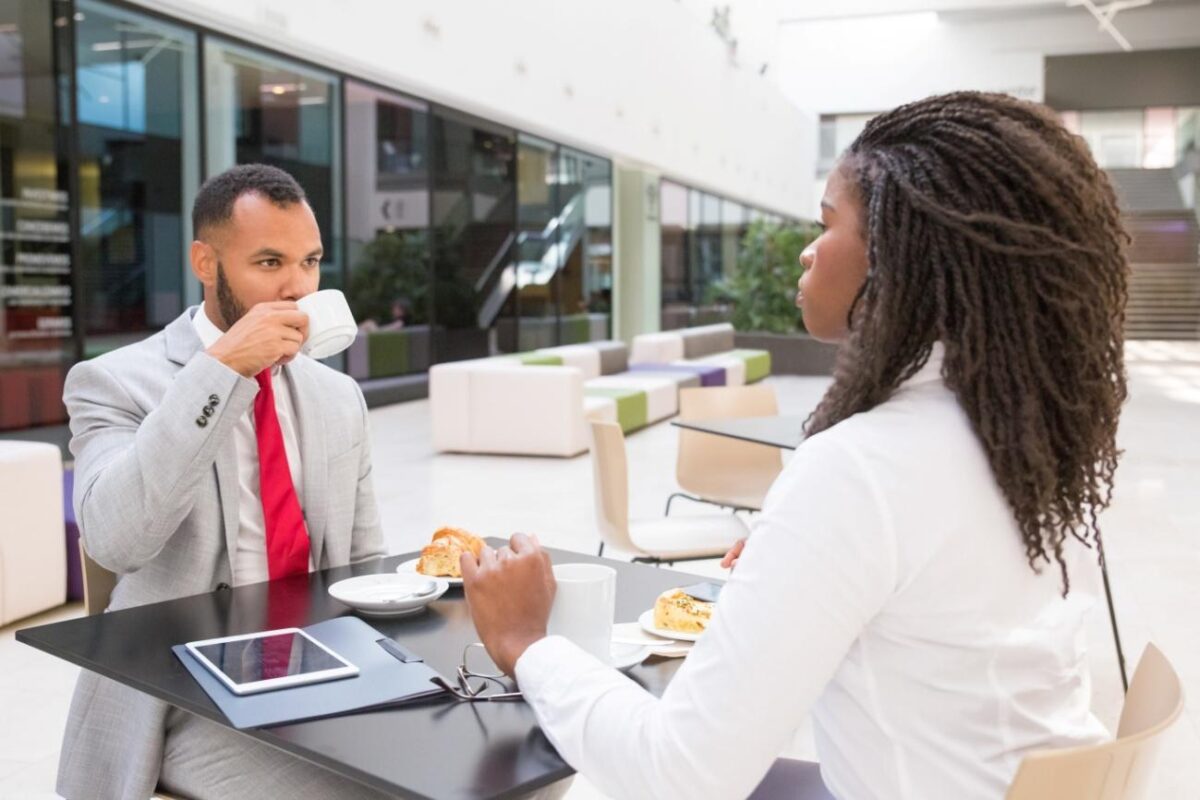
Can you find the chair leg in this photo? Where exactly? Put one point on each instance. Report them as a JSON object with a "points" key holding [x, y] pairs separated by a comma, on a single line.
{"points": [[600, 552], [1112, 616], [667, 513]]}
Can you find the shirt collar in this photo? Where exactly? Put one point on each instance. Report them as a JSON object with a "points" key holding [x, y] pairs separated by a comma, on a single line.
{"points": [[206, 329], [932, 370]]}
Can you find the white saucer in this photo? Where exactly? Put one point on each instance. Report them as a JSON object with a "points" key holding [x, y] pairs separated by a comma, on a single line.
{"points": [[646, 620], [388, 595], [625, 656], [410, 568]]}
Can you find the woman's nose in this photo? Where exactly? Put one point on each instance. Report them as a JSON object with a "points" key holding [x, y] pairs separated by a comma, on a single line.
{"points": [[807, 255]]}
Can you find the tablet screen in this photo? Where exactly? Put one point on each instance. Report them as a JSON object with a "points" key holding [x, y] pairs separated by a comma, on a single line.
{"points": [[265, 657]]}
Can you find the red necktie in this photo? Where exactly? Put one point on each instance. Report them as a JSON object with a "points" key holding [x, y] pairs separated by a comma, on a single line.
{"points": [[283, 521]]}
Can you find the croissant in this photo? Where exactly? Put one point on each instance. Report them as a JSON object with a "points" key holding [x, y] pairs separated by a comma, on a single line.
{"points": [[440, 558]]}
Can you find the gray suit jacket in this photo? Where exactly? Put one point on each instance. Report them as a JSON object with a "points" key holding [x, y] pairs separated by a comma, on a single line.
{"points": [[156, 497]]}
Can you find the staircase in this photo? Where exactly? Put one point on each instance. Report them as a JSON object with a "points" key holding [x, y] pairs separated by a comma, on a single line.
{"points": [[1164, 257]]}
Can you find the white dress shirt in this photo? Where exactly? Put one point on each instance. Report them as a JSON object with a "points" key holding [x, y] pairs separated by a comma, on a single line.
{"points": [[250, 560], [884, 590]]}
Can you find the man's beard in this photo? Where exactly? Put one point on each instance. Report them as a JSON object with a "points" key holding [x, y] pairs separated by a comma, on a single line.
{"points": [[227, 305]]}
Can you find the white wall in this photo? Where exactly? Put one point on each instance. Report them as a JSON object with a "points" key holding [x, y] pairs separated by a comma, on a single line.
{"points": [[647, 82]]}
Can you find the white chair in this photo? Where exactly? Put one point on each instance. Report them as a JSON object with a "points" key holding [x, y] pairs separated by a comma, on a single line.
{"points": [[654, 541], [33, 551]]}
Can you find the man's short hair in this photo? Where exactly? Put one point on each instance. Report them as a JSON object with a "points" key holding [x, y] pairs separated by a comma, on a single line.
{"points": [[214, 202]]}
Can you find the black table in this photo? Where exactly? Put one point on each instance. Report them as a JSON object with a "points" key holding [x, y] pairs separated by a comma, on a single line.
{"points": [[784, 431], [425, 749]]}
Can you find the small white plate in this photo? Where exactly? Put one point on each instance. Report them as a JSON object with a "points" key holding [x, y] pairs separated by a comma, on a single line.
{"points": [[388, 595], [625, 656], [410, 568], [646, 620]]}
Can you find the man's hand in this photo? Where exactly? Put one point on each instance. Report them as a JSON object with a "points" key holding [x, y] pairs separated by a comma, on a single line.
{"points": [[510, 592], [269, 334], [731, 558]]}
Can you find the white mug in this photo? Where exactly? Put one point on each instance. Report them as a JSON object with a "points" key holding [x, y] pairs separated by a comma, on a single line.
{"points": [[331, 326], [584, 606]]}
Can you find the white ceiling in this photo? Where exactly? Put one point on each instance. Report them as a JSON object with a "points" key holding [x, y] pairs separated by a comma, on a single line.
{"points": [[810, 10]]}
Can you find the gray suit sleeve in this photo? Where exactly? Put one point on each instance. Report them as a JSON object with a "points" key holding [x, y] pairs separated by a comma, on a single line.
{"points": [[137, 473], [367, 536]]}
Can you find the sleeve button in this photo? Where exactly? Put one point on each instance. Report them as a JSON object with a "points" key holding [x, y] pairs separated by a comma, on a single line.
{"points": [[213, 400], [201, 421], [208, 411]]}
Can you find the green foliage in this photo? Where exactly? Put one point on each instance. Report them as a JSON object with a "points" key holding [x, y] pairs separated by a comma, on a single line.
{"points": [[762, 289], [393, 267]]}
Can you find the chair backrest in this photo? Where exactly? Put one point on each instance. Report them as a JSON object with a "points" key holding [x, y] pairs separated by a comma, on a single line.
{"points": [[707, 464], [1117, 770], [98, 583], [610, 473]]}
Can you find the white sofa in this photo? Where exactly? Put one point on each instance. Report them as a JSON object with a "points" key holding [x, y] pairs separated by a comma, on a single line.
{"points": [[702, 346], [33, 551]]}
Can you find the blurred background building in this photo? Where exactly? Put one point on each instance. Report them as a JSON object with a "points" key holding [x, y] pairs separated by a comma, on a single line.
{"points": [[499, 177]]}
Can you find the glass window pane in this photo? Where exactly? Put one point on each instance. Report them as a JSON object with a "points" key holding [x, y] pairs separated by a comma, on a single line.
{"points": [[261, 109], [1115, 137], [137, 101], [584, 188], [537, 249], [706, 265], [36, 325], [387, 236], [474, 213], [674, 201]]}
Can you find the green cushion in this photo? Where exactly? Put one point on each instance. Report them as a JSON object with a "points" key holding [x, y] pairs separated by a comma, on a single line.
{"points": [[633, 408], [575, 329], [387, 353], [541, 360], [758, 363]]}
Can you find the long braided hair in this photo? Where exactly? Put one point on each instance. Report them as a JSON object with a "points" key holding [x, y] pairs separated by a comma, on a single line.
{"points": [[989, 228]]}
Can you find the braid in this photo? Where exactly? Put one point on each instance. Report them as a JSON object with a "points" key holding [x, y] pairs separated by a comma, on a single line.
{"points": [[990, 228]]}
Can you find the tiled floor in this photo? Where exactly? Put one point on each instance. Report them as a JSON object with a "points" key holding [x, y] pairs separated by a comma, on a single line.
{"points": [[1152, 531]]}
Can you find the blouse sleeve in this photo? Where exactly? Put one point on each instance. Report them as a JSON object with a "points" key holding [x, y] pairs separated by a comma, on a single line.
{"points": [[820, 563]]}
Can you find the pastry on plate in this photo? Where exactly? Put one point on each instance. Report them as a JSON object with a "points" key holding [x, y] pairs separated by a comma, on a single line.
{"points": [[675, 610], [440, 558]]}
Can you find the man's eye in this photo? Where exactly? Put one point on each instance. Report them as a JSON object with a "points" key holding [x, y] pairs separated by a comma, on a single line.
{"points": [[312, 262], [270, 262]]}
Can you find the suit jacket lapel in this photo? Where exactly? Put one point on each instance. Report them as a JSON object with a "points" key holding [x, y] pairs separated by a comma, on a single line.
{"points": [[310, 431]]}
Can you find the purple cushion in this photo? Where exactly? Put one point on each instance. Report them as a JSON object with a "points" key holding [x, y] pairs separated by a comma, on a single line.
{"points": [[74, 568], [709, 374]]}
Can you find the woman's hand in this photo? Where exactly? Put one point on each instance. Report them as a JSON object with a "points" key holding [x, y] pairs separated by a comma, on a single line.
{"points": [[510, 592], [735, 552]]}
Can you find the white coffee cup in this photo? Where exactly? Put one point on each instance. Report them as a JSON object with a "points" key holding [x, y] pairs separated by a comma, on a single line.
{"points": [[331, 326], [584, 606]]}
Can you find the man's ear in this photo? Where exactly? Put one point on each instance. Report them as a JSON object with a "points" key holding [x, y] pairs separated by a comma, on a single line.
{"points": [[204, 263]]}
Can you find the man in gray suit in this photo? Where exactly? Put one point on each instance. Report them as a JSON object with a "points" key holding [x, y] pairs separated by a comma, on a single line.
{"points": [[208, 454]]}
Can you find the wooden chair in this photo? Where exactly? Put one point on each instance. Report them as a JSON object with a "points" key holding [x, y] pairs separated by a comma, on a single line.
{"points": [[717, 469], [98, 583], [654, 541], [1116, 770]]}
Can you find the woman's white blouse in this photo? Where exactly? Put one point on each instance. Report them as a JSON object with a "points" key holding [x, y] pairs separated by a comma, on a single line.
{"points": [[885, 590]]}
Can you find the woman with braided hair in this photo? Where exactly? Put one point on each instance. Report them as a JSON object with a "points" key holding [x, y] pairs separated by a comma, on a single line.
{"points": [[919, 575]]}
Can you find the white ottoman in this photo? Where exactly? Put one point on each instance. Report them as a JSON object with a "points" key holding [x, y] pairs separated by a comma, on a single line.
{"points": [[33, 550], [735, 368], [583, 357], [656, 348], [662, 394]]}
